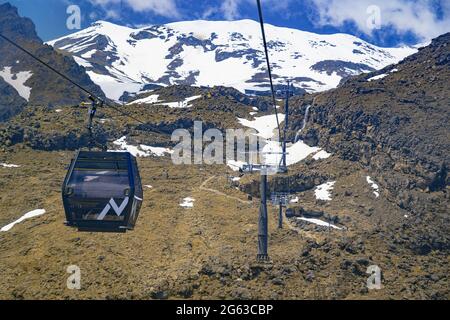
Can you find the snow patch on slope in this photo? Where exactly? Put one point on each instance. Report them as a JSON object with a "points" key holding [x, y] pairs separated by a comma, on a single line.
{"points": [[381, 76], [29, 215], [378, 77], [181, 104], [17, 81], [264, 125], [323, 192], [322, 154], [82, 62], [320, 223], [375, 187], [235, 165], [295, 200], [187, 202], [114, 87], [141, 150], [295, 153], [271, 152], [154, 98], [7, 165]]}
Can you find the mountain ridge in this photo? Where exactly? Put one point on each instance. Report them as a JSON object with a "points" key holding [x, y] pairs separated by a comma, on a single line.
{"points": [[219, 53]]}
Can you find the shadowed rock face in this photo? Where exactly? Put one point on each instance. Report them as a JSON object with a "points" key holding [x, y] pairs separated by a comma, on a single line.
{"points": [[11, 102], [341, 68], [16, 28], [47, 88]]}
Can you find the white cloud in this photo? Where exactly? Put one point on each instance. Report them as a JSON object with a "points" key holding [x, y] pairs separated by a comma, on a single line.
{"points": [[417, 16], [112, 14], [210, 11], [165, 8]]}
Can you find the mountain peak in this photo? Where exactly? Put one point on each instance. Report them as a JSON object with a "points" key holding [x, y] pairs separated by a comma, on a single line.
{"points": [[24, 77], [16, 27], [5, 7]]}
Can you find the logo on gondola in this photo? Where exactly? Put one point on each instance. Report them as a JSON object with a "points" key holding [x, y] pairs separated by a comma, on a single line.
{"points": [[112, 204]]}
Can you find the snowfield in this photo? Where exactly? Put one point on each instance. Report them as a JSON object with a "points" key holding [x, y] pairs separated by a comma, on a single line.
{"points": [[29, 215], [219, 53]]}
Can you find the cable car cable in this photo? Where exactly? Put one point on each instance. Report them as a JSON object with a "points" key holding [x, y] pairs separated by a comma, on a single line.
{"points": [[266, 51]]}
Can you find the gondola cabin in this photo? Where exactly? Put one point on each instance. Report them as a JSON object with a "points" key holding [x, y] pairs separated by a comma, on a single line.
{"points": [[102, 192]]}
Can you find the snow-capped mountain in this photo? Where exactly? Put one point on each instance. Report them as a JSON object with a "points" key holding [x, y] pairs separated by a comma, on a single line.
{"points": [[207, 53]]}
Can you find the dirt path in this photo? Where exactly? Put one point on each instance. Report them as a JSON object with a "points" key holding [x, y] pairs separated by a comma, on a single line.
{"points": [[203, 187]]}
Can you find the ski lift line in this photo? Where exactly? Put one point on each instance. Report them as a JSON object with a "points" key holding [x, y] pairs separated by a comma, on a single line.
{"points": [[123, 113], [266, 51]]}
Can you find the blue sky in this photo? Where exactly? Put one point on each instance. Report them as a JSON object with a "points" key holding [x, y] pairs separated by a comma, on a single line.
{"points": [[382, 22]]}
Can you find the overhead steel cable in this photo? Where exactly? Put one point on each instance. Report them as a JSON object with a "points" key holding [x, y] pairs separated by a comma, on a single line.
{"points": [[123, 113], [266, 51]]}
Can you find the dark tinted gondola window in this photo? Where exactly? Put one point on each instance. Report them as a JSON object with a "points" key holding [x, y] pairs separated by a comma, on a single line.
{"points": [[100, 179], [137, 179]]}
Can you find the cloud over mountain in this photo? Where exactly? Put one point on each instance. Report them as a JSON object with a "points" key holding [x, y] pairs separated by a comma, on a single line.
{"points": [[425, 18]]}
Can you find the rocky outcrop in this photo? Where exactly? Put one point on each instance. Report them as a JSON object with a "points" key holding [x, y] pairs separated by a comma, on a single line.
{"points": [[341, 68], [399, 124], [396, 126], [50, 141], [11, 103]]}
